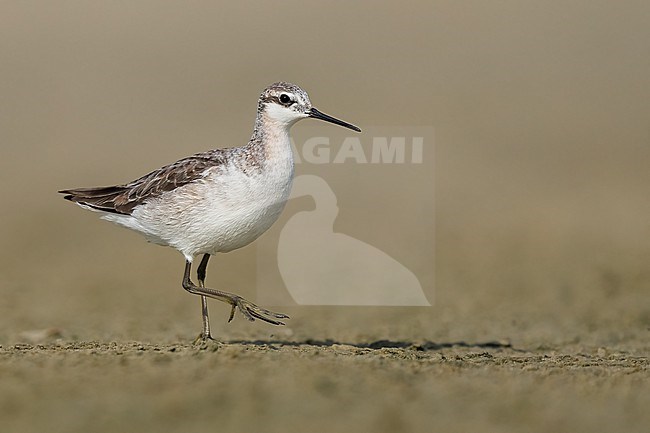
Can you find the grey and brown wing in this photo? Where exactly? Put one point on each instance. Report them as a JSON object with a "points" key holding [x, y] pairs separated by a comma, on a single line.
{"points": [[122, 199]]}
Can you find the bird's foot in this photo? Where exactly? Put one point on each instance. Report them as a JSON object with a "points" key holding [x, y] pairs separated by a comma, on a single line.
{"points": [[202, 338], [252, 311], [206, 342], [247, 308]]}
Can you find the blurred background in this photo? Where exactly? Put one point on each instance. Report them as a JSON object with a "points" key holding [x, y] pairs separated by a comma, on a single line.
{"points": [[540, 174]]}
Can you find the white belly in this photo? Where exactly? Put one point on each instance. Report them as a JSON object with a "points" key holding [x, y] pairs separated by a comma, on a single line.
{"points": [[226, 210]]}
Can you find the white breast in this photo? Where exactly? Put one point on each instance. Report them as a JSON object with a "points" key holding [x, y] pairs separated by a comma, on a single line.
{"points": [[227, 209]]}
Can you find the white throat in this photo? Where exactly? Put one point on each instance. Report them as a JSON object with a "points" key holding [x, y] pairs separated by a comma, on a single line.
{"points": [[275, 114]]}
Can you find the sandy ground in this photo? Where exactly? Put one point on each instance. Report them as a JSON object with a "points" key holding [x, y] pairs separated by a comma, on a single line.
{"points": [[321, 386]]}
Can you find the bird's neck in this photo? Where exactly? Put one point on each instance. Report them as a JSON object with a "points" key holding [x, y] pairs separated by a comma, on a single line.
{"points": [[271, 137]]}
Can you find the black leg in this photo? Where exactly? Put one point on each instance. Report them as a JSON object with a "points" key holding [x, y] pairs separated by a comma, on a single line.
{"points": [[247, 308], [201, 270], [200, 275]]}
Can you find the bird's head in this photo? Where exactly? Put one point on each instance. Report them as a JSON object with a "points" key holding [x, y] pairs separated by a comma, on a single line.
{"points": [[286, 103]]}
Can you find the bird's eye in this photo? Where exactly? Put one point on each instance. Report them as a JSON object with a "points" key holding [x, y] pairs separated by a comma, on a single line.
{"points": [[285, 99]]}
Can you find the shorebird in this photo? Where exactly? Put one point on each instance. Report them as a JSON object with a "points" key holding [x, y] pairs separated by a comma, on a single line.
{"points": [[216, 201]]}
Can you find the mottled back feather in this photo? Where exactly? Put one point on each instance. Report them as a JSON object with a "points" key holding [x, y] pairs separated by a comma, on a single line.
{"points": [[122, 199]]}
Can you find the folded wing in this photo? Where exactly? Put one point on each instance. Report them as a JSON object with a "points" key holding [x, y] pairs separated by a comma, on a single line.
{"points": [[122, 199]]}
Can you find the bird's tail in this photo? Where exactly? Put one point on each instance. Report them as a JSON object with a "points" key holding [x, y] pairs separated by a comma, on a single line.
{"points": [[104, 198]]}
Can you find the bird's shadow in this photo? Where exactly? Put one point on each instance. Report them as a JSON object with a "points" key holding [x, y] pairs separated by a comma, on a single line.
{"points": [[381, 344]]}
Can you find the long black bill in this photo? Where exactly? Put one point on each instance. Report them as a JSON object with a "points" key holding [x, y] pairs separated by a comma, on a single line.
{"points": [[322, 116]]}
